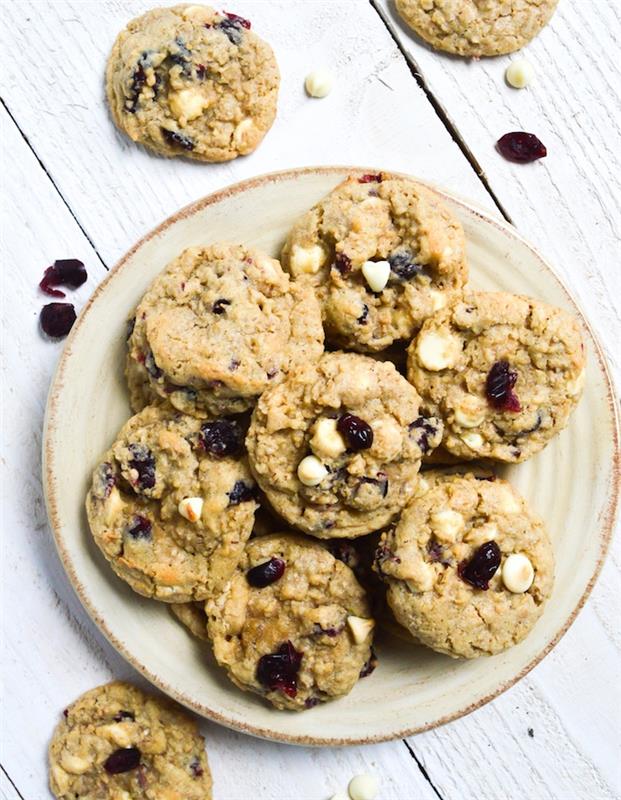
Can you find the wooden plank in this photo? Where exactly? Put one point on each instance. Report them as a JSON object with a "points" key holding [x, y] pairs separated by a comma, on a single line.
{"points": [[52, 651]]}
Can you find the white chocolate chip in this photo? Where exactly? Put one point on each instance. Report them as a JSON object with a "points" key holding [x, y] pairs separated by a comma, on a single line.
{"points": [[113, 506], [191, 508], [470, 412], [419, 575], [376, 274], [74, 764], [518, 573], [360, 628], [319, 82], [575, 387], [363, 787], [270, 268], [438, 350], [327, 441], [506, 500], [62, 779], [118, 732], [311, 471], [438, 299], [447, 524], [422, 486], [307, 260], [187, 104], [472, 440], [519, 73], [481, 534], [241, 136]]}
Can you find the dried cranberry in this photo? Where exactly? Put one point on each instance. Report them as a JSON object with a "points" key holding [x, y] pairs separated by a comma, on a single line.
{"points": [[140, 527], [278, 671], [64, 272], [105, 480], [122, 715], [370, 665], [139, 78], [201, 71], [244, 23], [241, 493], [423, 428], [434, 550], [219, 307], [176, 139], [311, 702], [521, 147], [122, 760], [403, 266], [232, 26], [481, 567], [342, 263], [499, 387], [381, 483], [234, 364], [267, 572], [222, 437], [363, 318], [358, 433], [151, 367], [195, 767], [331, 632], [371, 178], [57, 319], [143, 462]]}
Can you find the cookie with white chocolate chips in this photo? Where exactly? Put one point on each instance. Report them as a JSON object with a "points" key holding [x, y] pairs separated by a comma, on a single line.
{"points": [[218, 326], [503, 372], [172, 503], [293, 624], [337, 445], [117, 743], [383, 253], [191, 81], [469, 567]]}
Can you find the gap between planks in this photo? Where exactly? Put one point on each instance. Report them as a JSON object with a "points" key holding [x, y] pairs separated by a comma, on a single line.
{"points": [[11, 783], [441, 112]]}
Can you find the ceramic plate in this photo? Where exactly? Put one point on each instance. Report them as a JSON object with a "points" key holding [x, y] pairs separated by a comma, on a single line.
{"points": [[573, 483]]}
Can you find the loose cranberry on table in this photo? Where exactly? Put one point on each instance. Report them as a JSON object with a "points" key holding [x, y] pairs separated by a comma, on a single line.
{"points": [[57, 319], [63, 272], [521, 147]]}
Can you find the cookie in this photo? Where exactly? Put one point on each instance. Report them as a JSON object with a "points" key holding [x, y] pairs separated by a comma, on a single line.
{"points": [[503, 372], [219, 325], [337, 445], [118, 743], [468, 566], [172, 504], [293, 624], [382, 253], [193, 617], [191, 81], [477, 27]]}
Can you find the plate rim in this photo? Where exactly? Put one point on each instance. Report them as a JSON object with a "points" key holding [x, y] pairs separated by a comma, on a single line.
{"points": [[606, 526]]}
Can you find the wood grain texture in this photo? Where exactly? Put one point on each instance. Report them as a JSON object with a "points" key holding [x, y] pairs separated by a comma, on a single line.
{"points": [[111, 192]]}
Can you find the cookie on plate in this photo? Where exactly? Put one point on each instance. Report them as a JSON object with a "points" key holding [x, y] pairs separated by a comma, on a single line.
{"points": [[503, 372], [117, 743], [477, 27], [337, 445], [193, 617], [219, 325], [383, 253], [468, 566], [293, 624], [191, 81], [172, 504]]}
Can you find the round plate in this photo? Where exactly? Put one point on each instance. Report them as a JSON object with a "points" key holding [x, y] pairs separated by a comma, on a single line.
{"points": [[573, 483]]}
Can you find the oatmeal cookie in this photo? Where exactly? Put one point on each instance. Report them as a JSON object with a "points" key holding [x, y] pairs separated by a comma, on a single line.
{"points": [[293, 624], [477, 27], [191, 81], [193, 617], [118, 743], [172, 504], [218, 326], [383, 253], [337, 445], [468, 566], [503, 372]]}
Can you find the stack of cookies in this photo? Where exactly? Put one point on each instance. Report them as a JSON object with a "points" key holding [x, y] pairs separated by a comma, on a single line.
{"points": [[269, 486]]}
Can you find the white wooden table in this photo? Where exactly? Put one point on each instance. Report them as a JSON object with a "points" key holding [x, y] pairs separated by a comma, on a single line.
{"points": [[75, 188]]}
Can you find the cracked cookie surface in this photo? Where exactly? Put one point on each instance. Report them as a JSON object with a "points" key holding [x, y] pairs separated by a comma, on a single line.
{"points": [[190, 81], [219, 325], [356, 418], [393, 222], [502, 371], [293, 640], [477, 27], [159, 460], [117, 743], [451, 517]]}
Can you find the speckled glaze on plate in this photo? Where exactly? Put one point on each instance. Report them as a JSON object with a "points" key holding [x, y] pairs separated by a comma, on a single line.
{"points": [[573, 483]]}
